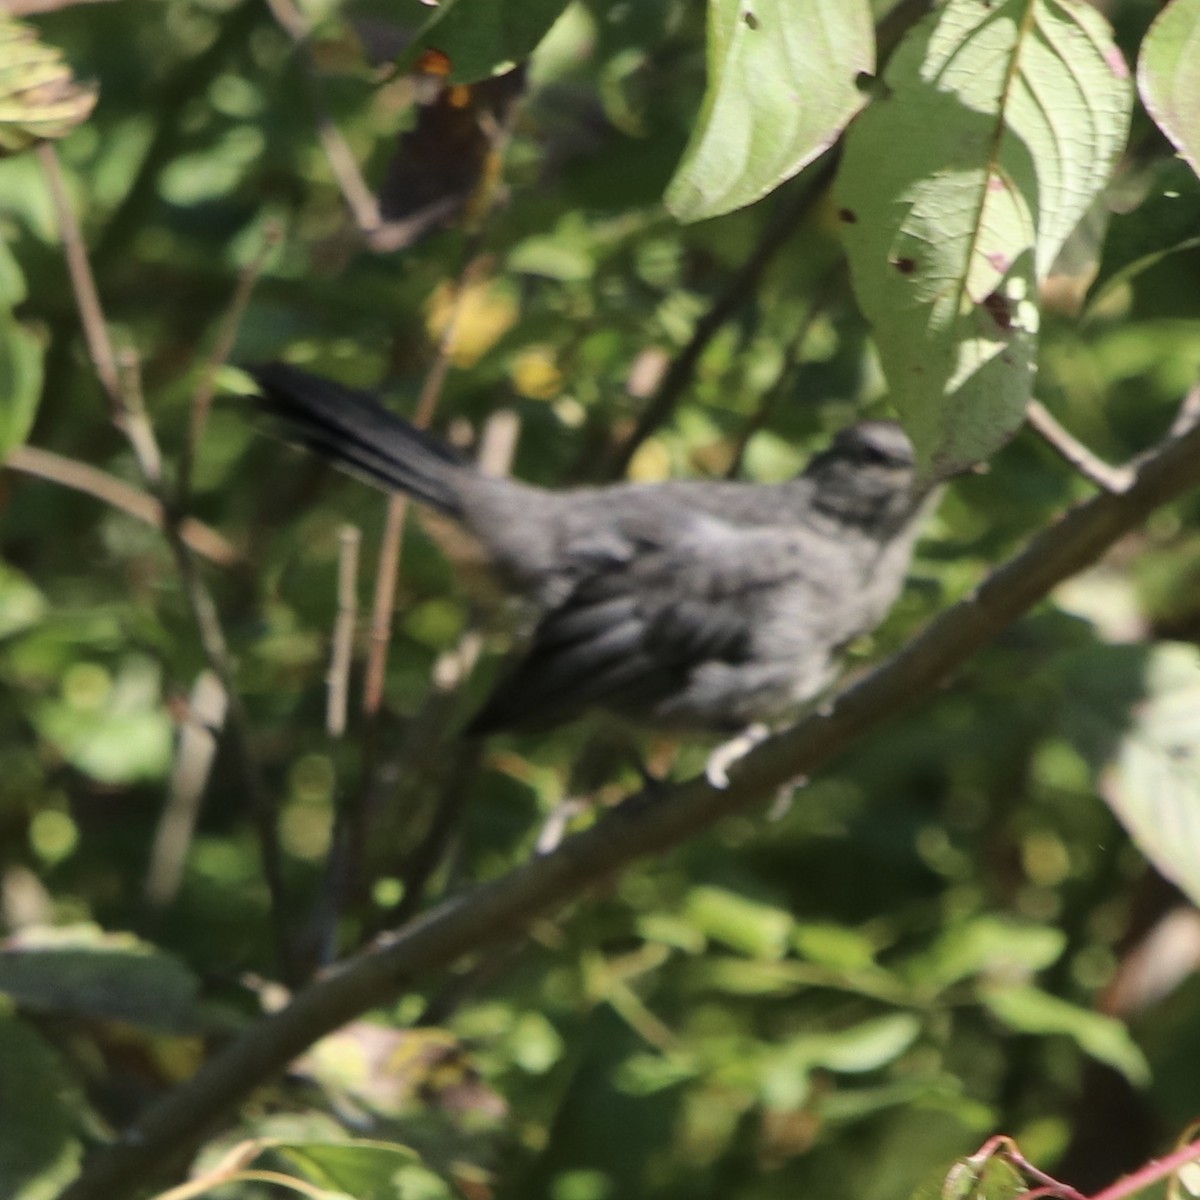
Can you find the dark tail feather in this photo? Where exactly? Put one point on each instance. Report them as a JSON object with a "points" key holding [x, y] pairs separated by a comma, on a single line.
{"points": [[353, 430]]}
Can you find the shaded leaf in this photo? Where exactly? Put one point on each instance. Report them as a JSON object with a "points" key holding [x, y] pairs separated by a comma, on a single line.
{"points": [[480, 38], [81, 969], [781, 87], [1168, 78], [39, 98], [1153, 784], [38, 1148], [958, 189], [1165, 221]]}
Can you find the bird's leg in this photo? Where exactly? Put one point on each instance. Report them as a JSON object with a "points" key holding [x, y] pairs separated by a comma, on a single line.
{"points": [[716, 770]]}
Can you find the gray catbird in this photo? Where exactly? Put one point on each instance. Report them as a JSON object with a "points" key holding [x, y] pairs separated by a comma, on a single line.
{"points": [[685, 605]]}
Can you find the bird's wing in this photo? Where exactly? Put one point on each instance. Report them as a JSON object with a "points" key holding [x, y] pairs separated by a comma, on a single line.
{"points": [[630, 633]]}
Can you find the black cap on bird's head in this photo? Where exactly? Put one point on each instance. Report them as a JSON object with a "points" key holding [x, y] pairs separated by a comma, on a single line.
{"points": [[869, 471]]}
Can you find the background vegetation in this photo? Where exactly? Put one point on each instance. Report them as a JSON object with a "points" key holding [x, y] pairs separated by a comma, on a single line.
{"points": [[947, 932]]}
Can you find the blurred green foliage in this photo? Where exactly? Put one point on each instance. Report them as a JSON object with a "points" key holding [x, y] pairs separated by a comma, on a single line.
{"points": [[836, 1001]]}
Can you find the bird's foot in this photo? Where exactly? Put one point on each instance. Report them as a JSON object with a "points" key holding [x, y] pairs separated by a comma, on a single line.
{"points": [[716, 770]]}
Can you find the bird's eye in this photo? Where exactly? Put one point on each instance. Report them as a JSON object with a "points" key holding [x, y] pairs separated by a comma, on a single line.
{"points": [[874, 455]]}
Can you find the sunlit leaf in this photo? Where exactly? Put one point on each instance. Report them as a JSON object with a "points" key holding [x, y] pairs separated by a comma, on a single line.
{"points": [[782, 84], [21, 603], [1153, 784], [1030, 1010], [1168, 78], [39, 98], [999, 125], [364, 1169], [754, 928], [20, 381]]}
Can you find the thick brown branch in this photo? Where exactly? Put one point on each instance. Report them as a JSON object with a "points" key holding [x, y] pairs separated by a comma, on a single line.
{"points": [[642, 826]]}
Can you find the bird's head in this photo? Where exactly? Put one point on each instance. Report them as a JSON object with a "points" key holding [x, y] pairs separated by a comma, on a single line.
{"points": [[868, 473]]}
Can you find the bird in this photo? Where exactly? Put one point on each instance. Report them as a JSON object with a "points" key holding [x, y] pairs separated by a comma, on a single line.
{"points": [[689, 606]]}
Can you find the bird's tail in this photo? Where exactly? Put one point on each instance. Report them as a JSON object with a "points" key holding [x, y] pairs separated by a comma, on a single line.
{"points": [[354, 431]]}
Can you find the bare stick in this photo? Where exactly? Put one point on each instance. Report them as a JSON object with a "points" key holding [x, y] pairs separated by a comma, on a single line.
{"points": [[194, 757], [91, 315], [91, 481], [222, 348], [648, 824], [1091, 466], [130, 417], [364, 208], [387, 574], [342, 651]]}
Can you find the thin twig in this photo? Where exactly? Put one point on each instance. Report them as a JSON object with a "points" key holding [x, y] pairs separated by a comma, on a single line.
{"points": [[794, 207], [130, 417], [194, 755], [1091, 466], [1152, 1172], [227, 333], [360, 200], [91, 481], [387, 574], [91, 315], [342, 649], [647, 824]]}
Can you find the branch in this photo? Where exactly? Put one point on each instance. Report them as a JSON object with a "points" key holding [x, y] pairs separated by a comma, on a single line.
{"points": [[1071, 450], [738, 290], [91, 481], [647, 824], [121, 383]]}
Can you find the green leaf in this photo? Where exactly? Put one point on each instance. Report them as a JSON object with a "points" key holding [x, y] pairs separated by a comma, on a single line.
{"points": [[760, 930], [81, 969], [1030, 1010], [481, 38], [1165, 221], [364, 1169], [38, 1149], [987, 945], [21, 603], [1153, 784], [1168, 78], [39, 97], [958, 189], [20, 382], [864, 1047], [782, 84]]}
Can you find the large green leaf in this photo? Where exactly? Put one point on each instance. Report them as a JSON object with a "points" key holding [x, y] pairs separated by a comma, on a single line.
{"points": [[782, 84], [480, 38], [1000, 124], [1169, 78], [80, 969], [1153, 784]]}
